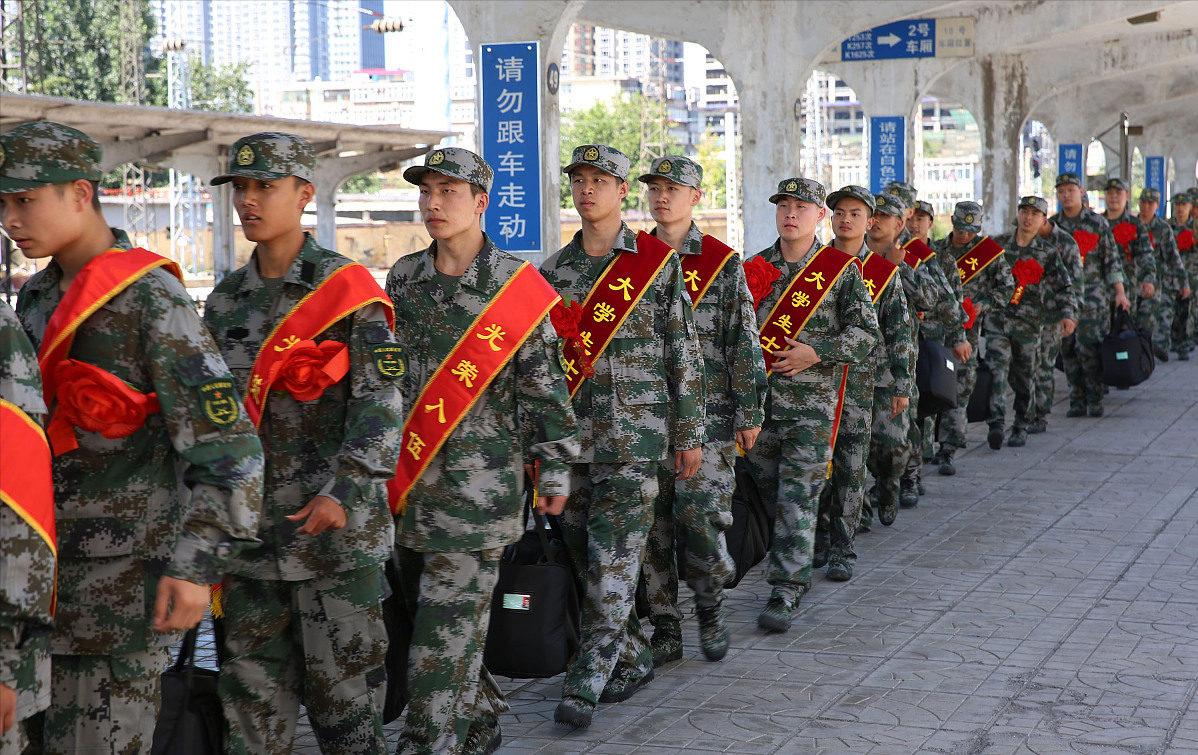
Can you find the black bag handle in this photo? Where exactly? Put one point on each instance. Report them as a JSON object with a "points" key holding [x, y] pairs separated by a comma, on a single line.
{"points": [[187, 651], [1121, 319]]}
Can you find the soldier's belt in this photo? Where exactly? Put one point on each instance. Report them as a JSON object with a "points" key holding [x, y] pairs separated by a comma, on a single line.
{"points": [[801, 297], [978, 258], [610, 301], [470, 367], [699, 271], [26, 485]]}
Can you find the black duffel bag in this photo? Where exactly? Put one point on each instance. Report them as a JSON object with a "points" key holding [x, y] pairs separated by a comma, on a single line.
{"points": [[935, 377], [190, 721], [752, 528], [978, 408], [1127, 357], [536, 609]]}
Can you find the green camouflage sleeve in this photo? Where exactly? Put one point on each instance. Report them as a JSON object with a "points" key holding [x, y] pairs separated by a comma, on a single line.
{"points": [[895, 323], [1072, 256], [20, 376], [998, 285], [547, 424], [1110, 258], [1062, 302], [746, 365], [946, 311], [1141, 252], [683, 359], [920, 296], [1173, 271], [858, 333]]}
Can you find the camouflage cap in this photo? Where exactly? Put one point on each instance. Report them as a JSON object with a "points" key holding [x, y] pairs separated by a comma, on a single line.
{"points": [[889, 204], [1181, 197], [1193, 192], [967, 216], [1149, 194], [1115, 183], [903, 191], [43, 153], [852, 192], [605, 158], [1069, 178], [454, 162], [1039, 203], [925, 208], [269, 156], [803, 189], [680, 170]]}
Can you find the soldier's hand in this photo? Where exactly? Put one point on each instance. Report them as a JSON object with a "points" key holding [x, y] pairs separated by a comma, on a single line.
{"points": [[686, 463], [1147, 290], [1122, 302], [322, 513], [180, 604], [897, 405], [963, 351], [746, 439], [797, 358], [1067, 327], [551, 504], [1185, 292], [8, 708]]}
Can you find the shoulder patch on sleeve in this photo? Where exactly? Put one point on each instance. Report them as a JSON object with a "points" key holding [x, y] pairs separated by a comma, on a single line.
{"points": [[219, 400], [388, 358]]}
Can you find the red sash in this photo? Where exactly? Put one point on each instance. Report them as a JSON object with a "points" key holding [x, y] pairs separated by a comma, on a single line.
{"points": [[804, 293], [475, 361], [700, 270], [610, 301], [345, 291], [978, 258], [26, 485], [877, 272], [917, 253]]}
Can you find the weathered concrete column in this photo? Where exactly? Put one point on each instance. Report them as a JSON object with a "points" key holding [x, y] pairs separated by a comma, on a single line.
{"points": [[546, 22], [892, 88], [331, 172], [1185, 162]]}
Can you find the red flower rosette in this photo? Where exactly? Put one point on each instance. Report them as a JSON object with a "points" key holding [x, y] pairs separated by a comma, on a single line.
{"points": [[1027, 273], [1086, 242], [1124, 233], [310, 368], [565, 319], [93, 399], [1185, 240], [760, 276], [970, 311]]}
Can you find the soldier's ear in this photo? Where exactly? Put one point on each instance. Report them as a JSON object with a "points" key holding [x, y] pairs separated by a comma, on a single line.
{"points": [[482, 201], [696, 197], [307, 191], [623, 189]]}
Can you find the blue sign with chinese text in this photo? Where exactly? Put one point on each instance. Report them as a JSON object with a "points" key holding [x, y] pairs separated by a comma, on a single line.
{"points": [[1069, 159], [1154, 176], [887, 151], [901, 39], [510, 140]]}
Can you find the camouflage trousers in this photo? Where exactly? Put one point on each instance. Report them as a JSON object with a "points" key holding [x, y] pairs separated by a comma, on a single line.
{"points": [[889, 445], [1163, 311], [1184, 312], [320, 642], [953, 423], [101, 704], [698, 510], [1045, 382], [842, 501], [605, 527], [1082, 355], [449, 594], [1145, 309], [913, 462], [1013, 353]]}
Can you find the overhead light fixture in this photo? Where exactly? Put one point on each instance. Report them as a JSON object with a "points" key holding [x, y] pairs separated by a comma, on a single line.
{"points": [[1146, 18]]}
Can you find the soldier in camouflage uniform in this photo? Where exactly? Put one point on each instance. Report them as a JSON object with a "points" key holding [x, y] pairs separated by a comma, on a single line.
{"points": [[1102, 268], [1139, 262], [1185, 229], [135, 557], [701, 508], [987, 291], [1012, 329], [25, 560], [1175, 283], [1050, 329], [790, 460], [467, 504], [304, 621], [649, 378]]}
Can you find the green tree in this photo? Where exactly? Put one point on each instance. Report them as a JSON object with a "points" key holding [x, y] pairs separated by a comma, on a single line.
{"points": [[715, 170], [221, 89], [616, 123], [363, 183]]}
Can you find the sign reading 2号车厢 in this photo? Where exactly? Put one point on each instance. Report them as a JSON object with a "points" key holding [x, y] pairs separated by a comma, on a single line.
{"points": [[510, 140]]}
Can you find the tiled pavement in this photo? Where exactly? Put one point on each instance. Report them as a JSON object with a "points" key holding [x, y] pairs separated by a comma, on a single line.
{"points": [[1044, 600]]}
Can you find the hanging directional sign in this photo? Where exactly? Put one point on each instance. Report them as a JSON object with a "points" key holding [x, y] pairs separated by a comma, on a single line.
{"points": [[917, 38], [1069, 159], [1154, 177]]}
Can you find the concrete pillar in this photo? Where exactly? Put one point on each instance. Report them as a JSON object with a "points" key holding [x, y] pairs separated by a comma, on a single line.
{"points": [[1185, 163], [1000, 103], [326, 214], [889, 89], [224, 259], [332, 170]]}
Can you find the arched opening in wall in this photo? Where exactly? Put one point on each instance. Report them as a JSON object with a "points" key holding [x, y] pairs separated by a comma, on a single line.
{"points": [[1038, 167], [650, 97], [950, 169], [833, 127], [1096, 171]]}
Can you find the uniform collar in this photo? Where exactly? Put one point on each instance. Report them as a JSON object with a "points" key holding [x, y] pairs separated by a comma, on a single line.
{"points": [[52, 273], [479, 274], [303, 270], [692, 244], [625, 242], [774, 256]]}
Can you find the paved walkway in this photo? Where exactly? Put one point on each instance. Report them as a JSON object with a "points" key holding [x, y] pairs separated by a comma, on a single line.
{"points": [[1044, 600]]}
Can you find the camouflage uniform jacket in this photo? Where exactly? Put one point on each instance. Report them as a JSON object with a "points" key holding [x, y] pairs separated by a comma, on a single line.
{"points": [[1189, 257], [525, 413], [734, 367], [990, 289], [892, 362], [1103, 267], [343, 445], [1053, 298], [843, 331], [1139, 262], [26, 562], [649, 380], [1172, 272], [944, 321], [1070, 254], [122, 522]]}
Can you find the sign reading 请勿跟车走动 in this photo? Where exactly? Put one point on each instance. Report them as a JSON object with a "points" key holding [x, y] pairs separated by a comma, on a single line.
{"points": [[916, 38], [510, 140], [887, 151]]}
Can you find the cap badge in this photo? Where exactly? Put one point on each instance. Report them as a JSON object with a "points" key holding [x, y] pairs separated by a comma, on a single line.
{"points": [[590, 154], [665, 167], [437, 158], [792, 185], [245, 155], [969, 218]]}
